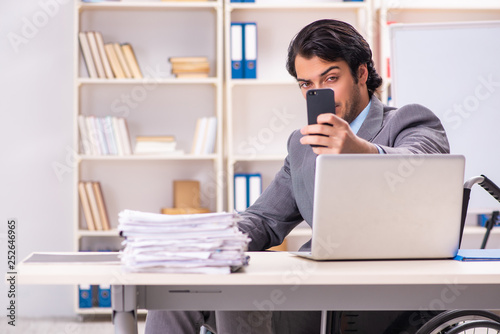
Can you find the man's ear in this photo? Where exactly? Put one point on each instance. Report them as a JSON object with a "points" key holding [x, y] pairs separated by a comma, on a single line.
{"points": [[362, 73]]}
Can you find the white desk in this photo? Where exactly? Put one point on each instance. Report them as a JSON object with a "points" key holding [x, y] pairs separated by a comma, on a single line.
{"points": [[281, 281]]}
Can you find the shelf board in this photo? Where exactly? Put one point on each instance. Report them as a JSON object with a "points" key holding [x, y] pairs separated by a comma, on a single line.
{"points": [[295, 6], [473, 230], [442, 5], [102, 310], [147, 157], [145, 5], [262, 82], [88, 233], [270, 157], [148, 81]]}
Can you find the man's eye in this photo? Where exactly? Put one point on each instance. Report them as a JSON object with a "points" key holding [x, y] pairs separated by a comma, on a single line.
{"points": [[332, 79], [304, 84]]}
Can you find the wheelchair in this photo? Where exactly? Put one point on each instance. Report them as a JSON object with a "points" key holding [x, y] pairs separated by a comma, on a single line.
{"points": [[416, 322], [426, 322]]}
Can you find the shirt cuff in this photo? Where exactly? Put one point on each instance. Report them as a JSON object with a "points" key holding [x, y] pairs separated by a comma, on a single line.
{"points": [[380, 150]]}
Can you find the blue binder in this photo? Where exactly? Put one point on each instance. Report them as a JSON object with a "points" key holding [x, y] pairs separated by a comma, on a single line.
{"points": [[236, 50], [247, 188], [85, 296], [240, 192], [254, 187], [250, 50], [104, 296]]}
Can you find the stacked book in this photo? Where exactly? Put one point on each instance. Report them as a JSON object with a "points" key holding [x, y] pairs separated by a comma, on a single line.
{"points": [[190, 67], [197, 243], [94, 209], [104, 135], [156, 145], [110, 60]]}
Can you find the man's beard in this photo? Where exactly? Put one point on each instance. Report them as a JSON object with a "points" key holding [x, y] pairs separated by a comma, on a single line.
{"points": [[353, 105]]}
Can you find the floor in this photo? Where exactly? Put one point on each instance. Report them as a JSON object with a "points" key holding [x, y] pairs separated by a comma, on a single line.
{"points": [[76, 325]]}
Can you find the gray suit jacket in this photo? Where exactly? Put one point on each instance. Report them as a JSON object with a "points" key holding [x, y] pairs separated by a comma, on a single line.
{"points": [[412, 129]]}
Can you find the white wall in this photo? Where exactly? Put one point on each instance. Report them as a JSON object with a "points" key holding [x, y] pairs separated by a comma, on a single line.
{"points": [[36, 79]]}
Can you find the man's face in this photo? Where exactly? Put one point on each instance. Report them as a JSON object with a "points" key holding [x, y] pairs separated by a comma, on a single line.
{"points": [[350, 97]]}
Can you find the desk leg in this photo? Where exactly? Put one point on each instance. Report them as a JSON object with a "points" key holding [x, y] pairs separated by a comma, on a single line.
{"points": [[324, 321], [124, 304]]}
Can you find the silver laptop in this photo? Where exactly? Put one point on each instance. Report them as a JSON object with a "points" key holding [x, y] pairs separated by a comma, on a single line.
{"points": [[387, 206]]}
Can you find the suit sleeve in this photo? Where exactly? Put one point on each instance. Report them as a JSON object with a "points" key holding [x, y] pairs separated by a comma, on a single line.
{"points": [[269, 220], [414, 129]]}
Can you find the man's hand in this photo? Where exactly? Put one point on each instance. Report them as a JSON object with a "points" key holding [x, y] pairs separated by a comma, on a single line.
{"points": [[339, 137]]}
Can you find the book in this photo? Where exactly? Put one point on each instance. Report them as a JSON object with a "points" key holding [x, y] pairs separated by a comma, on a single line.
{"points": [[87, 213], [101, 139], [155, 148], [102, 54], [113, 61], [103, 214], [211, 133], [156, 145], [104, 135], [205, 135], [92, 135], [183, 211], [84, 136], [117, 137], [95, 55], [93, 205], [121, 60], [110, 135], [191, 67], [191, 75], [91, 1], [186, 194], [87, 55], [131, 59], [195, 59], [124, 136], [167, 139], [199, 135]]}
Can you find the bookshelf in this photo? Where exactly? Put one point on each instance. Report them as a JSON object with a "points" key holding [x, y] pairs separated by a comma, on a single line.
{"points": [[424, 11], [255, 116], [261, 113], [157, 104]]}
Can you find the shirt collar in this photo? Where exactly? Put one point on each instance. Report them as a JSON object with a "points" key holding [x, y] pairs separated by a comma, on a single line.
{"points": [[358, 121]]}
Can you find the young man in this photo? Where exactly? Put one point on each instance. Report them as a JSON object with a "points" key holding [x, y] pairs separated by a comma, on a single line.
{"points": [[324, 54]]}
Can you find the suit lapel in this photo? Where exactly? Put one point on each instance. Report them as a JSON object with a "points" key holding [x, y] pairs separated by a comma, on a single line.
{"points": [[373, 122]]}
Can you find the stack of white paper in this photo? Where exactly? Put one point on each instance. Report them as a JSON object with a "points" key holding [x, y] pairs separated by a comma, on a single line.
{"points": [[197, 243]]}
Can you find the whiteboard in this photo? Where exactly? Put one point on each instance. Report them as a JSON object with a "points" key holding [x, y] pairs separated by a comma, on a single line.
{"points": [[454, 70]]}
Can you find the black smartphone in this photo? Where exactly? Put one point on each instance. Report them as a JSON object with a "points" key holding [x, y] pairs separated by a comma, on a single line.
{"points": [[319, 101]]}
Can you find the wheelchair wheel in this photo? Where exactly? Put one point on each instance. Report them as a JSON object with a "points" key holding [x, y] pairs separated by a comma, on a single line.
{"points": [[477, 327], [442, 323]]}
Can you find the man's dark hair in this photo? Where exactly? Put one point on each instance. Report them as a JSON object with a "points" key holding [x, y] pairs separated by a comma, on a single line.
{"points": [[333, 40]]}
